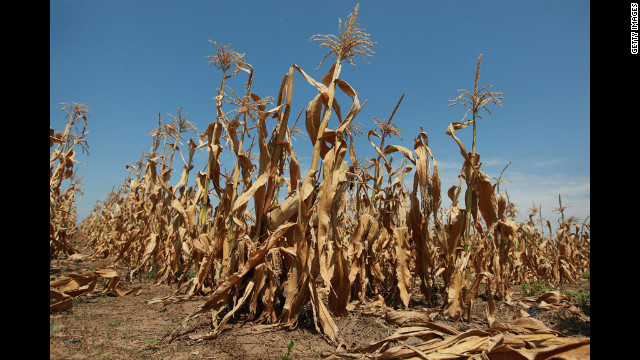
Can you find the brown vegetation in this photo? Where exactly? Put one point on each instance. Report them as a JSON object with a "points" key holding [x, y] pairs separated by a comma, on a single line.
{"points": [[348, 232]]}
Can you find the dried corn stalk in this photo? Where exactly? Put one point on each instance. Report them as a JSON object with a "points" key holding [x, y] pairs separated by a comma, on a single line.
{"points": [[62, 201], [345, 230]]}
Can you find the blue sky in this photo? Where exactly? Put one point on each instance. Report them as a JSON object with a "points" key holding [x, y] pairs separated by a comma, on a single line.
{"points": [[130, 60]]}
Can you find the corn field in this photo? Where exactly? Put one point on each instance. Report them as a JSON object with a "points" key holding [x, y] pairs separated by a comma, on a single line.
{"points": [[271, 240], [62, 199]]}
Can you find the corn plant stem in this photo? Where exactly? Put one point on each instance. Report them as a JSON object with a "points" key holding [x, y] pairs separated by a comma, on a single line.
{"points": [[470, 192], [165, 136], [465, 237], [281, 128], [187, 168], [325, 116], [473, 145], [476, 105], [561, 209], [376, 184], [203, 214], [173, 150], [475, 108], [316, 155], [469, 198], [235, 176]]}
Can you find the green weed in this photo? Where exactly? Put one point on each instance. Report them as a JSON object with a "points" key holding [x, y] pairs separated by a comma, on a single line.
{"points": [[535, 287], [287, 355], [580, 298]]}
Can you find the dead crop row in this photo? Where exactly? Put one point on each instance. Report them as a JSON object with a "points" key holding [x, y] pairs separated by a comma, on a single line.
{"points": [[348, 228], [63, 194]]}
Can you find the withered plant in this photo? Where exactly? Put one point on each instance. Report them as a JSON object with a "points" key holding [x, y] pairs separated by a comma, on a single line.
{"points": [[63, 200], [342, 234]]}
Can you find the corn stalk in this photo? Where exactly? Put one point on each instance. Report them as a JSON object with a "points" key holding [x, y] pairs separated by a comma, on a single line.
{"points": [[62, 208]]}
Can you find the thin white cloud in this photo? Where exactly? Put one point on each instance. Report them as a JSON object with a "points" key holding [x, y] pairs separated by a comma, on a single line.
{"points": [[449, 164], [543, 190], [547, 162], [494, 162]]}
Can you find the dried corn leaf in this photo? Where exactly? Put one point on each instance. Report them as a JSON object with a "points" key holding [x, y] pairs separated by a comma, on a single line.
{"points": [[415, 318], [524, 325], [451, 129], [403, 258], [344, 86], [487, 202], [327, 191], [455, 306], [476, 344], [403, 150], [248, 194], [149, 250], [378, 241], [402, 333], [533, 325], [322, 87], [491, 308], [571, 349], [259, 279], [552, 297], [340, 293], [456, 229], [453, 347], [536, 340], [313, 115], [135, 291], [64, 289], [59, 301], [327, 326], [219, 326], [77, 257], [289, 206], [132, 236], [221, 294], [75, 284], [357, 254]]}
